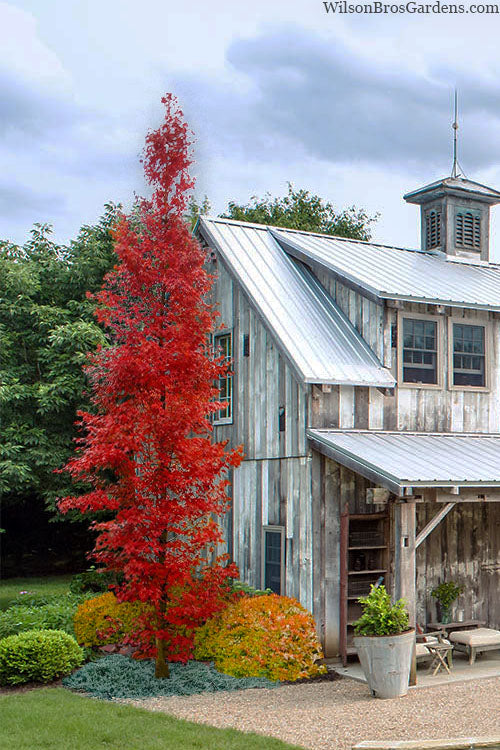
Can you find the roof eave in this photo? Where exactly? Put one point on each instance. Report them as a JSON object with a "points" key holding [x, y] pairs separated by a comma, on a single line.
{"points": [[375, 474]]}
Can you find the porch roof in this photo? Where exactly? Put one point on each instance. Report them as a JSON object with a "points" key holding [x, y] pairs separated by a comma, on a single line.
{"points": [[397, 460]]}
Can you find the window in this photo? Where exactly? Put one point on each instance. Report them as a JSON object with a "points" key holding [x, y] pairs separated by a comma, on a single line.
{"points": [[273, 558], [420, 351], [432, 229], [223, 347], [468, 229], [469, 355]]}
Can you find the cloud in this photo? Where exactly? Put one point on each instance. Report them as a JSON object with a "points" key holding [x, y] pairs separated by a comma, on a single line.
{"points": [[22, 202], [292, 89]]}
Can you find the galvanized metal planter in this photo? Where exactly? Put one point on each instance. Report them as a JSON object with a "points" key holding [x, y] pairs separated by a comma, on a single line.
{"points": [[386, 661]]}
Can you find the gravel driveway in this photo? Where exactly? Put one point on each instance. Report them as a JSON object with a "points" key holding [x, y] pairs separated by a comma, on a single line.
{"points": [[337, 715]]}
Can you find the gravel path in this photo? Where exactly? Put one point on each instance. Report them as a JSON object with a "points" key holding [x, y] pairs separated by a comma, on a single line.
{"points": [[337, 715]]}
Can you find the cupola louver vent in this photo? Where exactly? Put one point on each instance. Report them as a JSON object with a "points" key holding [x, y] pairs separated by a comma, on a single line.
{"points": [[468, 230], [433, 229]]}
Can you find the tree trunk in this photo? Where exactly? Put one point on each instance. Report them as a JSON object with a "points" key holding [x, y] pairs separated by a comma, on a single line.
{"points": [[161, 665]]}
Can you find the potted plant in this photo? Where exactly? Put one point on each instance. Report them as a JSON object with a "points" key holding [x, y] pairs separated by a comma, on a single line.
{"points": [[445, 594], [384, 642]]}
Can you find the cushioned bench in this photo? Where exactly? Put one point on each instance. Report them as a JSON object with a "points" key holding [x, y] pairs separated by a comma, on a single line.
{"points": [[474, 641]]}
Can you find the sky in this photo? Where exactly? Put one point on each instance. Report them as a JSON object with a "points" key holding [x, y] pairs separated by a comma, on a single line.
{"points": [[356, 108]]}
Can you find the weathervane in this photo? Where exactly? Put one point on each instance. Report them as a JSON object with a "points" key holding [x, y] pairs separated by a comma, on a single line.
{"points": [[457, 170]]}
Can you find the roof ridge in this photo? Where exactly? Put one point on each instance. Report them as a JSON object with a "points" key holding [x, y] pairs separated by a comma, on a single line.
{"points": [[271, 227]]}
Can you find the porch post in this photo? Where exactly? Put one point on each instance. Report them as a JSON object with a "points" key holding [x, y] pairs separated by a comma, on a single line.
{"points": [[404, 563]]}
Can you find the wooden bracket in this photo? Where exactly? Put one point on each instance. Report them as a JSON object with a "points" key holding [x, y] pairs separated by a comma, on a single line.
{"points": [[433, 523]]}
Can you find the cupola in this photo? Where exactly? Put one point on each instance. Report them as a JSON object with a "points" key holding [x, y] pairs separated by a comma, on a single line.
{"points": [[455, 217]]}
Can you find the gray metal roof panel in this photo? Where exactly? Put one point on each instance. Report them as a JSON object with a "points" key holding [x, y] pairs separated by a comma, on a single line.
{"points": [[396, 273], [319, 340], [409, 459]]}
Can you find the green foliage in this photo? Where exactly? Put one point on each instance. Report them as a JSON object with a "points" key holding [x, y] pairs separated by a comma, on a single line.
{"points": [[380, 616], [91, 580], [49, 586], [118, 676], [264, 636], [46, 329], [56, 614], [195, 210], [301, 210], [446, 593], [240, 587], [56, 719], [37, 655]]}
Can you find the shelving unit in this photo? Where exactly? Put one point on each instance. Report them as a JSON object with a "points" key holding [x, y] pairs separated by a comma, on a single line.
{"points": [[364, 561]]}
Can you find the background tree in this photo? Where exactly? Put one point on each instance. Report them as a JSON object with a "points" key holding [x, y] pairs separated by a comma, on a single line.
{"points": [[195, 210], [299, 209], [147, 449], [46, 328]]}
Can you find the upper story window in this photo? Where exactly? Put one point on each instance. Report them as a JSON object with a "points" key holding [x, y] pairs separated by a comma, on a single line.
{"points": [[223, 347], [468, 229], [432, 229], [419, 349], [273, 558], [469, 355]]}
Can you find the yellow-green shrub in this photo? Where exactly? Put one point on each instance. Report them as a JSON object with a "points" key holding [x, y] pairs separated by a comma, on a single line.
{"points": [[266, 636], [104, 620]]}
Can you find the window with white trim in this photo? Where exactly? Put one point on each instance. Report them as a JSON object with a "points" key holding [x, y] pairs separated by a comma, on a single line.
{"points": [[273, 558], [420, 351], [469, 355], [223, 347]]}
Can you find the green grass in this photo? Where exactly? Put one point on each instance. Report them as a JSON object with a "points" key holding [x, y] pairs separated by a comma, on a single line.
{"points": [[10, 587], [54, 719]]}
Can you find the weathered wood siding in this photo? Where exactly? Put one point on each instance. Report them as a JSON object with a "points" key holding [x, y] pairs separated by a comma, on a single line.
{"points": [[464, 548], [407, 408], [273, 484], [335, 489]]}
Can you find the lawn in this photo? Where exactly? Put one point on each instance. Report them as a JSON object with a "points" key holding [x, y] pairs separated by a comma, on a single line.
{"points": [[10, 587], [55, 719]]}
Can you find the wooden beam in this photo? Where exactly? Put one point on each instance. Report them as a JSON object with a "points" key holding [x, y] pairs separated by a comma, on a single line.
{"points": [[404, 569], [433, 523], [377, 495], [468, 496]]}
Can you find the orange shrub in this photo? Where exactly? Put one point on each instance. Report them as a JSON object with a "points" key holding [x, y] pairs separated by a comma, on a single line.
{"points": [[104, 620], [266, 636]]}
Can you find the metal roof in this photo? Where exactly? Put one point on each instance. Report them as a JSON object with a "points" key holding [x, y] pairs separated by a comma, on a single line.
{"points": [[384, 272], [455, 185], [321, 343], [408, 459]]}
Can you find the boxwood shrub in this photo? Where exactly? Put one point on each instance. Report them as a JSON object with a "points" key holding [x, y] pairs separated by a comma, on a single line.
{"points": [[38, 656]]}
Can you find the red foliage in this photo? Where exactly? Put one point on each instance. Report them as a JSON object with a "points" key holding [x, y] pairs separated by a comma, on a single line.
{"points": [[146, 449]]}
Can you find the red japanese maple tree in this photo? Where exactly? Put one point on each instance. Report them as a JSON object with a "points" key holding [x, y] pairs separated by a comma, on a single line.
{"points": [[147, 449]]}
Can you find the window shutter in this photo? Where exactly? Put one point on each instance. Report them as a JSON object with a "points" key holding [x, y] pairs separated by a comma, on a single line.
{"points": [[433, 229], [467, 230]]}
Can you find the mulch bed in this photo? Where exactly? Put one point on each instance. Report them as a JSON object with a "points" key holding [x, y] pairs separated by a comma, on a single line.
{"points": [[27, 686], [330, 676]]}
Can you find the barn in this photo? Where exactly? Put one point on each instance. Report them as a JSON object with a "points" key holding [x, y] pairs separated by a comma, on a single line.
{"points": [[365, 390]]}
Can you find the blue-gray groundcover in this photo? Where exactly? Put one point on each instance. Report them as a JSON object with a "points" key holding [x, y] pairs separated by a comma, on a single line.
{"points": [[118, 676]]}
